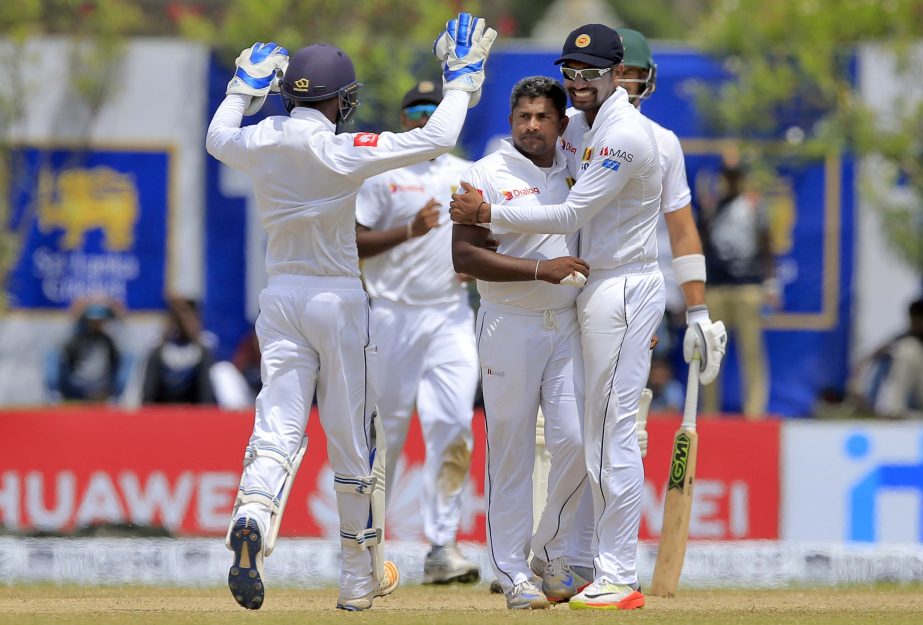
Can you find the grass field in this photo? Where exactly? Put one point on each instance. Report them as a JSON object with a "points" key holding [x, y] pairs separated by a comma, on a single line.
{"points": [[418, 605]]}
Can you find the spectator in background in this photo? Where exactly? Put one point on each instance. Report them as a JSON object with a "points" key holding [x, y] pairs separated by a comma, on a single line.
{"points": [[90, 366], [740, 268], [667, 390], [899, 394], [177, 371]]}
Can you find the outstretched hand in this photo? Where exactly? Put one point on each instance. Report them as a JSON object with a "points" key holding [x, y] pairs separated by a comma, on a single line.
{"points": [[464, 206]]}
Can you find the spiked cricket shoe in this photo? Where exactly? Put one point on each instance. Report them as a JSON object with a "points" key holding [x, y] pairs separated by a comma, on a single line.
{"points": [[364, 602], [604, 595], [526, 596], [245, 579], [446, 564]]}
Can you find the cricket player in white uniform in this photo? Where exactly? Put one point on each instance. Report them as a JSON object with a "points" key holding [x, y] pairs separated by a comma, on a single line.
{"points": [[529, 348], [424, 326], [313, 326], [617, 202], [639, 80]]}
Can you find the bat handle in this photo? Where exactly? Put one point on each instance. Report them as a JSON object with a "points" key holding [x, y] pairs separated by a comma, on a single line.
{"points": [[692, 392]]}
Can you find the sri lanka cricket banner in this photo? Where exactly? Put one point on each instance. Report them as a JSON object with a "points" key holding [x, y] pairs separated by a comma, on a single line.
{"points": [[94, 223], [178, 468]]}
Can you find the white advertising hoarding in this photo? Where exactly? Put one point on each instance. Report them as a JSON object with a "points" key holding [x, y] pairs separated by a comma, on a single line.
{"points": [[854, 482]]}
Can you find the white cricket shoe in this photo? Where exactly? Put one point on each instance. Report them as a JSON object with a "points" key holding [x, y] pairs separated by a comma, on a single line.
{"points": [[558, 581], [364, 602], [526, 596], [604, 595], [446, 564]]}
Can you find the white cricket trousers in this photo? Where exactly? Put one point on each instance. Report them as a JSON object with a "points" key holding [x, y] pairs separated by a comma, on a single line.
{"points": [[314, 334], [428, 357], [530, 359], [619, 311]]}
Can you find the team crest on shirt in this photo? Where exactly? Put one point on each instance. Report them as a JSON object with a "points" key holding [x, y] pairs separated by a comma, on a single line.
{"points": [[365, 140], [587, 154], [570, 182], [515, 193], [406, 188]]}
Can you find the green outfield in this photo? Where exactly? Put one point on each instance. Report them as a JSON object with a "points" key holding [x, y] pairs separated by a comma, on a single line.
{"points": [[418, 605]]}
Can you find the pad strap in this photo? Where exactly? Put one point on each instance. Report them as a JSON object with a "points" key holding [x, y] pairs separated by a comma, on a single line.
{"points": [[364, 539], [356, 485]]}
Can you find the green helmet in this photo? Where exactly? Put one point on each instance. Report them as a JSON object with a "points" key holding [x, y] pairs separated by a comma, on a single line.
{"points": [[638, 54]]}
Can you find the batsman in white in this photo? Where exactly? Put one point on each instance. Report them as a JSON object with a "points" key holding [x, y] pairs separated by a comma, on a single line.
{"points": [[616, 200], [639, 80], [313, 326], [423, 325], [529, 348]]}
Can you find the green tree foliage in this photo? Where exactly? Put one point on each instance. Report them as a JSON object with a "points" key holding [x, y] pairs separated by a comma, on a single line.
{"points": [[791, 60], [390, 41]]}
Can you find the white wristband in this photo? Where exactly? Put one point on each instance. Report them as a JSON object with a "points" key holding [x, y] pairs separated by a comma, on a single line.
{"points": [[695, 314], [689, 268]]}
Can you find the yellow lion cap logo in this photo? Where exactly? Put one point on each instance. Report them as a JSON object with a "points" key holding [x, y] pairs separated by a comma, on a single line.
{"points": [[426, 86], [302, 84], [582, 41]]}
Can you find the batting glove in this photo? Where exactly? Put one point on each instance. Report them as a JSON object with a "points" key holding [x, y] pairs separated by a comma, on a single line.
{"points": [[463, 49], [259, 70], [710, 339]]}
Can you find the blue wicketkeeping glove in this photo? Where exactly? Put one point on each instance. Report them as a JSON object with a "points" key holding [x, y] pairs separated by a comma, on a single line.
{"points": [[463, 49], [259, 70]]}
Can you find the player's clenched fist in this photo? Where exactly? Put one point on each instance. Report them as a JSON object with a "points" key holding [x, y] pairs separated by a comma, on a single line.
{"points": [[469, 207], [426, 219], [562, 270]]}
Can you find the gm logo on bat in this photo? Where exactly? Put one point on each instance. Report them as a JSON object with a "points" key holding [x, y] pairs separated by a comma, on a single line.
{"points": [[680, 458]]}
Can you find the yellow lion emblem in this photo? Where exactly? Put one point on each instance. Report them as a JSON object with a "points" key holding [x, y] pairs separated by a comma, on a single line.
{"points": [[81, 200]]}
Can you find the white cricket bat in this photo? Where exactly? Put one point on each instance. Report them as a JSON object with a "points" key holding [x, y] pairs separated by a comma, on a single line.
{"points": [[674, 533]]}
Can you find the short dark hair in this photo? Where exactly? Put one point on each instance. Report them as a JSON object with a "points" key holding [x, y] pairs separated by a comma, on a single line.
{"points": [[540, 87]]}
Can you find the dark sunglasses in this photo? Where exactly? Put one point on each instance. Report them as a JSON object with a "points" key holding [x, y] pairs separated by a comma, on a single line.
{"points": [[416, 113], [590, 73]]}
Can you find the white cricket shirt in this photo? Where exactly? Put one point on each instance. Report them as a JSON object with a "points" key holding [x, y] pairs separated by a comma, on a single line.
{"points": [[306, 176], [418, 271], [507, 178], [616, 199], [675, 195]]}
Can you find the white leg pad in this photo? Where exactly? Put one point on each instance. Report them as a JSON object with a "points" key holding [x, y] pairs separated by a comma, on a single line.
{"points": [[275, 502]]}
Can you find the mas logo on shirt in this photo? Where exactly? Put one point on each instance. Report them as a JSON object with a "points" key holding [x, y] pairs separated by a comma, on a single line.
{"points": [[622, 154], [406, 188], [515, 193], [365, 140]]}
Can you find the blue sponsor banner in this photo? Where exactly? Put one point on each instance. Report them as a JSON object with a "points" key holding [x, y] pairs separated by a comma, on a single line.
{"points": [[93, 223]]}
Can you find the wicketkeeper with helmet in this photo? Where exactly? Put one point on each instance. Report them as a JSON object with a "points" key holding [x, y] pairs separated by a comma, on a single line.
{"points": [[313, 326]]}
